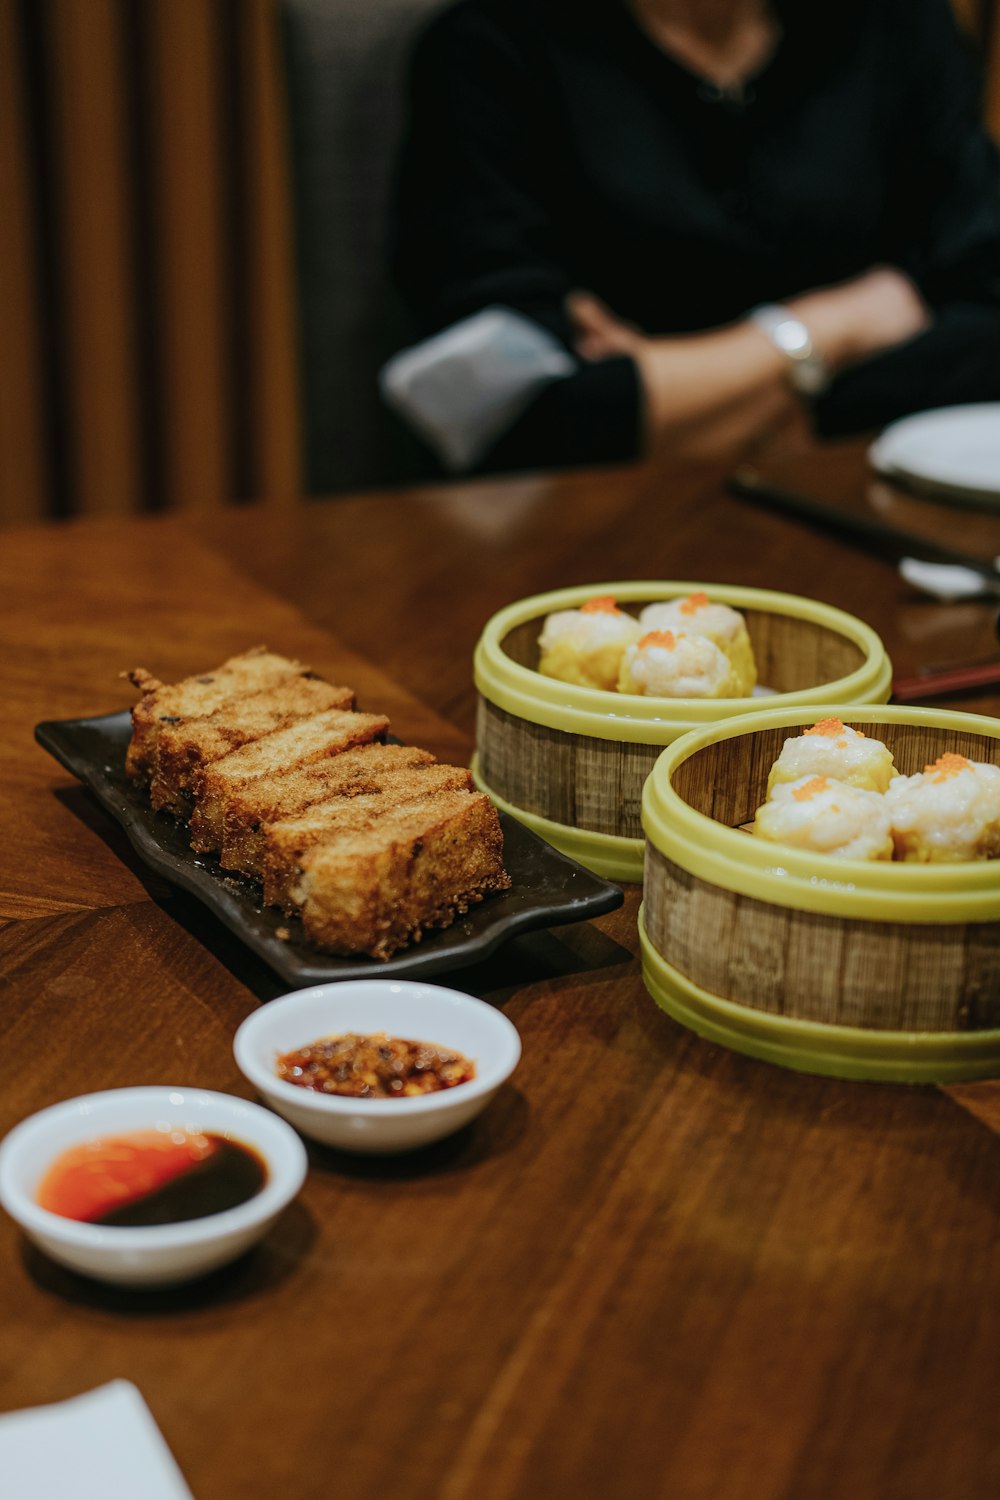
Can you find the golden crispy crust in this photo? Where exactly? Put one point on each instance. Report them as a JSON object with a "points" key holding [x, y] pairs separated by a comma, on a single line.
{"points": [[165, 703], [418, 868], [373, 844], [186, 747], [251, 808], [286, 841], [269, 761]]}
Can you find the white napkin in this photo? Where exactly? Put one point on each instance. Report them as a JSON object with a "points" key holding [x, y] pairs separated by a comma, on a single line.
{"points": [[103, 1445], [460, 389], [945, 581]]}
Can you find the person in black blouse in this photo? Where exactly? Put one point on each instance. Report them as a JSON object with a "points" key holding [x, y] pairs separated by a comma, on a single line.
{"points": [[627, 226]]}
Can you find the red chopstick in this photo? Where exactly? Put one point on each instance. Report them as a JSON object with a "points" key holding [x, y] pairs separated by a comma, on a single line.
{"points": [[948, 680]]}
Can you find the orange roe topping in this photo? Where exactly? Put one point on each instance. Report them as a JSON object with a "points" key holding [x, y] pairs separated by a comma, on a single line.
{"points": [[827, 726], [664, 638], [947, 765], [604, 604], [810, 788], [693, 603]]}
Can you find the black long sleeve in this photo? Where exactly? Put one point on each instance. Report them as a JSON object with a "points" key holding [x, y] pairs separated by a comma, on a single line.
{"points": [[553, 145]]}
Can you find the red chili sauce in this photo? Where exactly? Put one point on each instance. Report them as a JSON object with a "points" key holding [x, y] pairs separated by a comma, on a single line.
{"points": [[374, 1067], [151, 1177]]}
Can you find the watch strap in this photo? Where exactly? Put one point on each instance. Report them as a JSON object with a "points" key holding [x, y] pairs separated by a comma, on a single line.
{"points": [[807, 373]]}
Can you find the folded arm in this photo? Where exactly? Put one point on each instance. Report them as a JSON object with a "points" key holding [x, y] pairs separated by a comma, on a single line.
{"points": [[478, 226]]}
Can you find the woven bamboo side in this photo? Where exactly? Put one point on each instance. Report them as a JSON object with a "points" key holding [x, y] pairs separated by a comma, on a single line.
{"points": [[792, 654], [883, 976], [567, 778]]}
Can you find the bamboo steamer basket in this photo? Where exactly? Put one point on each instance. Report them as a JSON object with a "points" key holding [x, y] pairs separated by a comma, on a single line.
{"points": [[855, 969], [571, 761]]}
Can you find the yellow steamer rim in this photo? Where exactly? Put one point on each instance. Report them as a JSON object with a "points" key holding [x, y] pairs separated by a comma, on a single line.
{"points": [[546, 750], [849, 968]]}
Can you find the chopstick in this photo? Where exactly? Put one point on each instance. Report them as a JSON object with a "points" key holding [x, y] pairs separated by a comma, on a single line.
{"points": [[875, 536], [948, 680]]}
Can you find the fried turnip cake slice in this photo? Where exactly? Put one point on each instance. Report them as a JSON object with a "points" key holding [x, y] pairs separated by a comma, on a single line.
{"points": [[195, 697], [218, 785], [186, 747], [285, 842], [374, 889], [256, 804]]}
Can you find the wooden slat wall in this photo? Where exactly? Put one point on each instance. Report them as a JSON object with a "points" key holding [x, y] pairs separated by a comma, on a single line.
{"points": [[189, 163], [24, 478], [147, 310], [88, 123], [148, 354], [988, 35], [272, 353], [979, 18]]}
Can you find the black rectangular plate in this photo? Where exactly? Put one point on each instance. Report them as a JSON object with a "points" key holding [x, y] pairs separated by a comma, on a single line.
{"points": [[548, 888]]}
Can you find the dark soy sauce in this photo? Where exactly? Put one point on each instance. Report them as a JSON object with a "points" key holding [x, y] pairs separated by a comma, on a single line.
{"points": [[232, 1174]]}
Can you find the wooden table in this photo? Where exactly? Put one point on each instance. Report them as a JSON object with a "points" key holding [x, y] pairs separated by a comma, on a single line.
{"points": [[653, 1266]]}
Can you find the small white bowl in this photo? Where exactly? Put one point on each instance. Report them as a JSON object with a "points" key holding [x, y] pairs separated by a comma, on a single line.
{"points": [[155, 1254], [416, 1012]]}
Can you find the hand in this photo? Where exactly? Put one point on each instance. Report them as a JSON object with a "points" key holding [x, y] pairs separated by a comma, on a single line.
{"points": [[858, 318], [598, 333], [701, 401]]}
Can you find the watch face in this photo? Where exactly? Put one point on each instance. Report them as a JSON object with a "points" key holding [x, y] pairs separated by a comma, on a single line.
{"points": [[806, 371], [793, 337]]}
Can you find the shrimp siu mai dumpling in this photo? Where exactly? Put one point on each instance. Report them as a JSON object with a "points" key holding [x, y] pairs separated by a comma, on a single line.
{"points": [[586, 645], [830, 748], [725, 627], [948, 811], [827, 817], [665, 664]]}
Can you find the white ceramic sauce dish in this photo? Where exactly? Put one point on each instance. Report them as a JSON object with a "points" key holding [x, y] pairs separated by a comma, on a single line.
{"points": [[405, 1009], [156, 1254]]}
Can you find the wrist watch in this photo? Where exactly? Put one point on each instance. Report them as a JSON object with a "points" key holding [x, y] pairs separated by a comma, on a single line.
{"points": [[807, 373]]}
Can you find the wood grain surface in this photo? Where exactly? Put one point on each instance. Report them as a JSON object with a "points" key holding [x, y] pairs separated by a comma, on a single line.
{"points": [[652, 1266]]}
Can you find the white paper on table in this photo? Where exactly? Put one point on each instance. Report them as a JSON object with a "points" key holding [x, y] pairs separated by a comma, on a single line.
{"points": [[463, 387], [948, 582], [103, 1445]]}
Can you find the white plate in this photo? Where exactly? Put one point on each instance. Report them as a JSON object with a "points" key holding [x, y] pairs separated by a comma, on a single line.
{"points": [[951, 454]]}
